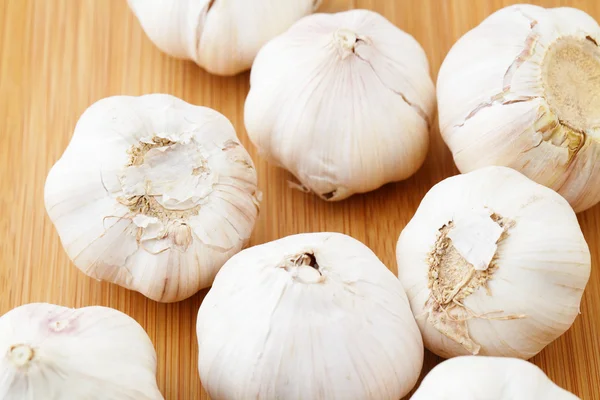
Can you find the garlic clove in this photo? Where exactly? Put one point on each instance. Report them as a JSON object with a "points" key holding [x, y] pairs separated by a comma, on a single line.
{"points": [[221, 36], [153, 194], [470, 377], [513, 305], [519, 89], [342, 101], [309, 316], [54, 352]]}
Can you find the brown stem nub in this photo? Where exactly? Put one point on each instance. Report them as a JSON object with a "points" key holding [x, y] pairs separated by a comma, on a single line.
{"points": [[312, 261], [591, 39], [210, 4], [329, 195], [307, 260]]}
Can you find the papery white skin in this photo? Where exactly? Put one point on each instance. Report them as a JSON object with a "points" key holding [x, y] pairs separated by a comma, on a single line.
{"points": [[543, 264], [221, 36], [166, 260], [88, 353], [493, 108], [346, 332], [343, 101], [488, 378]]}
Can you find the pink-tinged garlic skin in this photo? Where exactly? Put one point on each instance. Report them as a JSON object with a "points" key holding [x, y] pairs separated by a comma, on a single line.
{"points": [[520, 90], [93, 353], [343, 101]]}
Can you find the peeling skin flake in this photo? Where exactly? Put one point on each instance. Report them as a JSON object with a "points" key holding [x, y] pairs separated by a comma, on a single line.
{"points": [[169, 174], [460, 263], [454, 326], [143, 221], [166, 181], [507, 96], [475, 236], [151, 227]]}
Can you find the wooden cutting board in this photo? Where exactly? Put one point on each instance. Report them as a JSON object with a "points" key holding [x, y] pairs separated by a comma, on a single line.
{"points": [[58, 57]]}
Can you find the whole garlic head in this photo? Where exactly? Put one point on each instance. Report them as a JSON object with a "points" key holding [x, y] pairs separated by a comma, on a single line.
{"points": [[497, 378], [221, 36], [521, 90], [93, 353], [153, 194], [310, 316], [343, 101], [493, 264]]}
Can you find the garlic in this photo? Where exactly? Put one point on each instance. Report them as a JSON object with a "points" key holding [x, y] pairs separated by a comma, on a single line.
{"points": [[221, 36], [153, 194], [53, 352], [498, 378], [343, 101], [309, 316], [493, 264], [521, 90]]}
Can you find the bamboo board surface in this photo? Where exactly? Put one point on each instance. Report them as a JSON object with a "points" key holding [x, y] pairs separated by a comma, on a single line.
{"points": [[58, 57]]}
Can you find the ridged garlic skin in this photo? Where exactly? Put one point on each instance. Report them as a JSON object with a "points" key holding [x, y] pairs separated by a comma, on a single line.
{"points": [[153, 194], [528, 265], [221, 36], [93, 353], [488, 378], [309, 316], [343, 101], [520, 90]]}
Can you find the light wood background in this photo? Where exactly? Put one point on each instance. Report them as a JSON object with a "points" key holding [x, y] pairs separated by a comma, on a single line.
{"points": [[58, 57]]}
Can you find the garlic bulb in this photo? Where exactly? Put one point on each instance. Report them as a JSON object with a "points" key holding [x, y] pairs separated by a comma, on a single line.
{"points": [[310, 316], [488, 378], [153, 194], [521, 90], [493, 264], [221, 36], [53, 352], [343, 101]]}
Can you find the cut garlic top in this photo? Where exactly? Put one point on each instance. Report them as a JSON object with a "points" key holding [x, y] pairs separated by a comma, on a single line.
{"points": [[153, 194], [310, 316], [92, 353], [488, 378], [493, 264], [222, 36], [522, 90], [343, 101]]}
